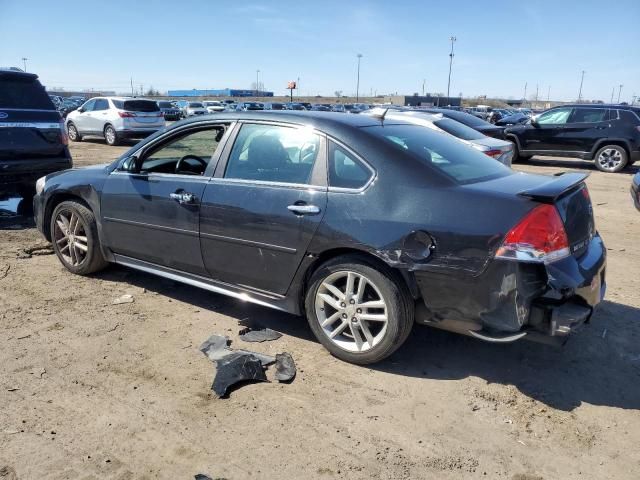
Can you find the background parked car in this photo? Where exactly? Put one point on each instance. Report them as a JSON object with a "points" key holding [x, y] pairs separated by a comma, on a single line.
{"points": [[513, 119], [275, 106], [68, 105], [213, 106], [607, 134], [501, 150], [33, 141], [192, 109], [470, 121], [338, 107], [295, 106], [169, 111], [247, 106], [318, 107], [114, 119]]}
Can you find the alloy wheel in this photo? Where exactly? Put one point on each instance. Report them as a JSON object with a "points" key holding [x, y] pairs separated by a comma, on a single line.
{"points": [[72, 132], [610, 159], [351, 311], [70, 236], [110, 135]]}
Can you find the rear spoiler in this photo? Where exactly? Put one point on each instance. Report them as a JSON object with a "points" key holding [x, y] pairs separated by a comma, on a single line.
{"points": [[555, 188]]}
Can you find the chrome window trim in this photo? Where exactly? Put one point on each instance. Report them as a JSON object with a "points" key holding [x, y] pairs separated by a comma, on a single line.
{"points": [[265, 183]]}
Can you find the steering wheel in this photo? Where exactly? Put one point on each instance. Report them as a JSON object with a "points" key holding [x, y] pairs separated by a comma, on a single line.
{"points": [[189, 157]]}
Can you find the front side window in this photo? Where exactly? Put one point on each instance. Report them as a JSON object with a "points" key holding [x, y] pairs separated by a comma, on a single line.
{"points": [[89, 106], [273, 154], [345, 170], [588, 115], [188, 154], [558, 116]]}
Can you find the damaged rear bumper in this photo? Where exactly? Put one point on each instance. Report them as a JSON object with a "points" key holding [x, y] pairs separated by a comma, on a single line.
{"points": [[512, 300]]}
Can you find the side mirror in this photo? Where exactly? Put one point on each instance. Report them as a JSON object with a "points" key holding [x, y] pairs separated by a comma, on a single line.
{"points": [[130, 164], [534, 122], [80, 109]]}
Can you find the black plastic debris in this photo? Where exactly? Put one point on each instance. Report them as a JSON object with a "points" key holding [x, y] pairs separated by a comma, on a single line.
{"points": [[235, 368], [202, 476], [265, 359], [216, 347], [285, 367], [259, 334]]}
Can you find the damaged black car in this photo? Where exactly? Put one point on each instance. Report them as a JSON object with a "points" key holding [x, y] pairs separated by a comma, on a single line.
{"points": [[363, 225]]}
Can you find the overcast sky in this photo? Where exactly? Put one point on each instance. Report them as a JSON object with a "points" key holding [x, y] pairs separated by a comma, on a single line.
{"points": [[501, 45]]}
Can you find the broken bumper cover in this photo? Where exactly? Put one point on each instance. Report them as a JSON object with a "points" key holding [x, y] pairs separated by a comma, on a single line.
{"points": [[512, 299], [38, 212]]}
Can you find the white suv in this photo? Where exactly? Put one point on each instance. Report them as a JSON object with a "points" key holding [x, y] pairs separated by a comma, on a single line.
{"points": [[114, 119]]}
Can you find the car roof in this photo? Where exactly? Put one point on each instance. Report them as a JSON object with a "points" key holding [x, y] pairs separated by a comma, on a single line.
{"points": [[16, 72], [600, 105]]}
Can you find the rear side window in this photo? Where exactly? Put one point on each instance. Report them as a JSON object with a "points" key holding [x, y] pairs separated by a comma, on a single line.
{"points": [[588, 115], [273, 154], [460, 162], [101, 104], [629, 117], [25, 93], [345, 170]]}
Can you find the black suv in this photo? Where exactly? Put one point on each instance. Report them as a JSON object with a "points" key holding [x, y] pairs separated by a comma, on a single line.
{"points": [[33, 141], [607, 134]]}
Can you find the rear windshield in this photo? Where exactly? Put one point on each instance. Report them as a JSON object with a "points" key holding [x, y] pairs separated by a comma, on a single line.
{"points": [[195, 105], [23, 93], [465, 118], [460, 162], [137, 105], [165, 105], [457, 129]]}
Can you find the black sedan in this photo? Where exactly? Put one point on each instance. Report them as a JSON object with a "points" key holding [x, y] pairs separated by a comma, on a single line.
{"points": [[482, 126], [364, 226]]}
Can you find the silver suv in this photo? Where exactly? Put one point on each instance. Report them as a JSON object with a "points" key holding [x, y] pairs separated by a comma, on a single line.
{"points": [[115, 119]]}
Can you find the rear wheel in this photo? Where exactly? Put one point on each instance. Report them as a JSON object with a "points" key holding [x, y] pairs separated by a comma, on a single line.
{"points": [[360, 313], [72, 131], [111, 136], [517, 156], [74, 235], [611, 158]]}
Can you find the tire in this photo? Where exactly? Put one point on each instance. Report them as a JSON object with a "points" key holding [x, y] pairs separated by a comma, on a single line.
{"points": [[111, 136], [73, 133], [358, 340], [83, 231], [611, 158], [517, 157]]}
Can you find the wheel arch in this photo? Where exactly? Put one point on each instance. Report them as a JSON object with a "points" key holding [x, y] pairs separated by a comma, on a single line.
{"points": [[620, 142]]}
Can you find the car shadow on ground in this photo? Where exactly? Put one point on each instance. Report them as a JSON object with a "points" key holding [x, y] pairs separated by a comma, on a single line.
{"points": [[16, 213], [574, 163], [600, 364], [125, 142]]}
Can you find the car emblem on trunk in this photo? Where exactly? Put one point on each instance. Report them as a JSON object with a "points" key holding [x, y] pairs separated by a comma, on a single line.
{"points": [[3, 115]]}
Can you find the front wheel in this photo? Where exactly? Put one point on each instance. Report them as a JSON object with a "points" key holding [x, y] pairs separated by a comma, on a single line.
{"points": [[611, 158], [360, 313], [111, 136], [74, 235]]}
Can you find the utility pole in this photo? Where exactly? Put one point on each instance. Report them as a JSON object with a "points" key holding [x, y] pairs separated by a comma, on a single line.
{"points": [[453, 39], [524, 97], [580, 91], [548, 93], [24, 62], [423, 83], [298, 87], [619, 92], [132, 92], [358, 79], [257, 82], [613, 90], [536, 94]]}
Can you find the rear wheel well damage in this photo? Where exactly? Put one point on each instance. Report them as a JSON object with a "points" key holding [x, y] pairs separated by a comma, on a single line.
{"points": [[404, 279]]}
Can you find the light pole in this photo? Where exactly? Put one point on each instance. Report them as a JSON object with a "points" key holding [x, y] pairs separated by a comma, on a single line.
{"points": [[257, 82], [24, 62], [453, 39], [580, 91], [358, 79], [619, 92], [298, 87], [423, 82], [548, 94], [613, 90]]}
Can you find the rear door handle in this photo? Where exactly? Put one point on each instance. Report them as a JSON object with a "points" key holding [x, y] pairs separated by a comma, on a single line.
{"points": [[183, 197], [304, 209]]}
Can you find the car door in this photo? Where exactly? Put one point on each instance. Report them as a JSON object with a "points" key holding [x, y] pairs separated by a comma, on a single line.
{"points": [[82, 120], [150, 205], [263, 206], [585, 127], [546, 132], [99, 115]]}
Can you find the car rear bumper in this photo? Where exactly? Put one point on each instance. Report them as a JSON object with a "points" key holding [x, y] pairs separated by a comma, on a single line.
{"points": [[512, 300], [25, 172]]}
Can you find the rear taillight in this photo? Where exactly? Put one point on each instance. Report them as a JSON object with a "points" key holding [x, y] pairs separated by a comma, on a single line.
{"points": [[539, 237], [493, 153], [126, 114], [64, 138]]}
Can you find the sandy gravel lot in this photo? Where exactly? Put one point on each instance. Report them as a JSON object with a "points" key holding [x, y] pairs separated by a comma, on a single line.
{"points": [[92, 390]]}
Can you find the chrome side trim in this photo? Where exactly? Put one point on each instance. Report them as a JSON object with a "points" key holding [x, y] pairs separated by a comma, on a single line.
{"points": [[190, 233], [251, 243], [195, 281], [29, 125]]}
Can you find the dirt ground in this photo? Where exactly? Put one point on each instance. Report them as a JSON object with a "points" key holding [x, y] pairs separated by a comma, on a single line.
{"points": [[92, 390]]}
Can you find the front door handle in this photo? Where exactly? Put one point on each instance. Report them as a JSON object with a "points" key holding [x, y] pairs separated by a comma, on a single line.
{"points": [[304, 209], [183, 197]]}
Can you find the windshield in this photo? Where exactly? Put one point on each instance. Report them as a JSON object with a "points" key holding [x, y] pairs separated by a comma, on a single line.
{"points": [[195, 105], [165, 105], [458, 161], [457, 129]]}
